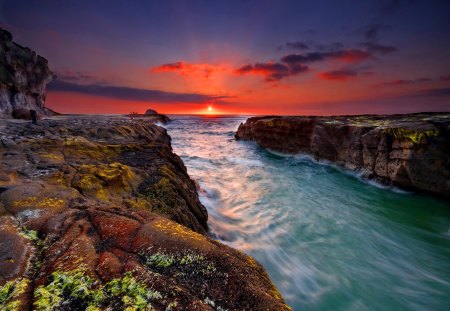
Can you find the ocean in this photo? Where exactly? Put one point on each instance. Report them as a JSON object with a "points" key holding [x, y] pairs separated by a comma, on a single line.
{"points": [[328, 239]]}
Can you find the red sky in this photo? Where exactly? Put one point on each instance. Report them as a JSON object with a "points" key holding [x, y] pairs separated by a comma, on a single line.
{"points": [[249, 57]]}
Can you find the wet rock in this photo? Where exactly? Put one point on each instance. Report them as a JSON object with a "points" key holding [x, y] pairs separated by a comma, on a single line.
{"points": [[408, 151]]}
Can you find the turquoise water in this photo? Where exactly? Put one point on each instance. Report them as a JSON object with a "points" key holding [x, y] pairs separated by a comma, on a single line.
{"points": [[329, 240]]}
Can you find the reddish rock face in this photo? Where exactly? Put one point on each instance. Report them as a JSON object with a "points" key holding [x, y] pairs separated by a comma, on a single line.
{"points": [[408, 151], [100, 213]]}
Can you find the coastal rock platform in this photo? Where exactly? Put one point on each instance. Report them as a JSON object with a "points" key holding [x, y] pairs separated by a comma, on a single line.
{"points": [[98, 213]]}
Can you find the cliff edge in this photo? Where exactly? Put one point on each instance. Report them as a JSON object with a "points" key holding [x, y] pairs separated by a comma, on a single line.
{"points": [[409, 151], [24, 76]]}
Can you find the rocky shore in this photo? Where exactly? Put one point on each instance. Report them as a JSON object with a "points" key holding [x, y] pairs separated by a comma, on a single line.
{"points": [[408, 151], [98, 213]]}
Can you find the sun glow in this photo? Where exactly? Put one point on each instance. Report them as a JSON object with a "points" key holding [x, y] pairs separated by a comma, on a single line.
{"points": [[210, 108]]}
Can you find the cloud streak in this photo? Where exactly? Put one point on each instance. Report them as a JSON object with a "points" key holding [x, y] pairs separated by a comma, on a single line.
{"points": [[348, 56], [273, 71], [188, 69], [437, 92], [132, 94], [405, 82]]}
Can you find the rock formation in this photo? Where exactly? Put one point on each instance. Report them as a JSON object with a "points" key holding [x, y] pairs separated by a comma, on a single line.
{"points": [[23, 79], [151, 111], [408, 151], [151, 116], [98, 213]]}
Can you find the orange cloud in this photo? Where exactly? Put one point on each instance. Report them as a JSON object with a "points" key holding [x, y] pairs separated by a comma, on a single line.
{"points": [[187, 69]]}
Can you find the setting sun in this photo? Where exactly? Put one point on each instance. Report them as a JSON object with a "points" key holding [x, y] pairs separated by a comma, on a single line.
{"points": [[210, 108]]}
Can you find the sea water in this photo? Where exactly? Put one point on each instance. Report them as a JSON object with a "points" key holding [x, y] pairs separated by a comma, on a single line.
{"points": [[328, 239]]}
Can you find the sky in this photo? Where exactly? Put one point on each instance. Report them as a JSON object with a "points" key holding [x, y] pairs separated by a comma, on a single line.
{"points": [[240, 57]]}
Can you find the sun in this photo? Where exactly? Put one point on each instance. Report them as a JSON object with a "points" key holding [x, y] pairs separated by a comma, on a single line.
{"points": [[210, 108]]}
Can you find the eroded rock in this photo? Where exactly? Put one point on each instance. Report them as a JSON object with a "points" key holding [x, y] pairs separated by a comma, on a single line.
{"points": [[408, 151]]}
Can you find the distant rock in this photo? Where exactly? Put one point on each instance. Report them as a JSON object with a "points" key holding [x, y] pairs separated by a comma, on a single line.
{"points": [[24, 76], [409, 151], [151, 115], [151, 111]]}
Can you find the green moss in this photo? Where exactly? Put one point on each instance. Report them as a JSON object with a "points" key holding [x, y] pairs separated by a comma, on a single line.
{"points": [[32, 236], [160, 260], [163, 196], [415, 136], [78, 290], [10, 292], [188, 263]]}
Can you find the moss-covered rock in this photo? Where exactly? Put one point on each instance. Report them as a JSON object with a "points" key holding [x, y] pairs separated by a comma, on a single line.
{"points": [[102, 215]]}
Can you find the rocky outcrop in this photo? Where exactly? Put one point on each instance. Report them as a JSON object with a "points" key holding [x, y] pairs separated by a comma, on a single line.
{"points": [[152, 117], [408, 151], [23, 78], [98, 213], [150, 111]]}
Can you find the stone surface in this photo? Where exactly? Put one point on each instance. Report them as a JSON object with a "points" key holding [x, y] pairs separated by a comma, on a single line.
{"points": [[24, 76], [409, 151], [98, 213]]}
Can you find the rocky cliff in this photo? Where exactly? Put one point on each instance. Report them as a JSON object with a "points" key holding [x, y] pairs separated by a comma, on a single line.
{"points": [[23, 78], [98, 213], [408, 151]]}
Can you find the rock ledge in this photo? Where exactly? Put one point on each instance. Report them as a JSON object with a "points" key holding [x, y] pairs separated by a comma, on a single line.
{"points": [[409, 151]]}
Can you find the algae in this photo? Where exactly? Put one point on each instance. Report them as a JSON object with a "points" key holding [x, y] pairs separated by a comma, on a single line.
{"points": [[415, 136], [78, 290], [10, 292], [190, 263]]}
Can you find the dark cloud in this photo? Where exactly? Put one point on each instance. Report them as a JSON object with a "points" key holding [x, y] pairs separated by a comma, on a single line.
{"points": [[372, 32], [376, 48], [350, 56], [391, 7], [405, 82], [78, 77], [132, 94], [273, 71], [335, 46], [441, 92], [297, 45], [445, 78]]}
